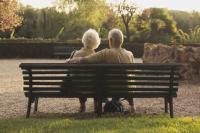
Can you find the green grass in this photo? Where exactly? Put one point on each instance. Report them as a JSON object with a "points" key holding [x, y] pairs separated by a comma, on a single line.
{"points": [[116, 124]]}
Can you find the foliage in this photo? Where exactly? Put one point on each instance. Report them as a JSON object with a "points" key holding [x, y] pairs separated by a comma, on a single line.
{"points": [[87, 14], [12, 34], [143, 124], [112, 21], [186, 20], [48, 22], [44, 23], [126, 11], [156, 25], [9, 19], [37, 41], [69, 19], [60, 32], [192, 37]]}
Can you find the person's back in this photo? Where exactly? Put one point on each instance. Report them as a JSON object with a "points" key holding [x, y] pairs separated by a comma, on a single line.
{"points": [[112, 55], [83, 52], [90, 42]]}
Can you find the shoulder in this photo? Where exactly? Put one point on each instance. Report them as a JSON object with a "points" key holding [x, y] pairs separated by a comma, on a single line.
{"points": [[128, 52], [83, 52], [103, 51]]}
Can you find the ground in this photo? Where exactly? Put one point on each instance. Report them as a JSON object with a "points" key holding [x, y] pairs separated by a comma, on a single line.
{"points": [[13, 103]]}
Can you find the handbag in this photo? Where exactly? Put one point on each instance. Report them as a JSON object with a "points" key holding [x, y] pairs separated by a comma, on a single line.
{"points": [[113, 106]]}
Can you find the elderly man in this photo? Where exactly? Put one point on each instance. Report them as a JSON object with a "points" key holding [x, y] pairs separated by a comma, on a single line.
{"points": [[116, 54]]}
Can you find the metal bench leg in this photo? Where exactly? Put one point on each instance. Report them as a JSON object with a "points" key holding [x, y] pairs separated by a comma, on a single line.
{"points": [[95, 105], [171, 108], [166, 105], [36, 105], [131, 104], [29, 107], [99, 108]]}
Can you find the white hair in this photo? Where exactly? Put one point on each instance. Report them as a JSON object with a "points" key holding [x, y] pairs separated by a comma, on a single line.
{"points": [[91, 39], [117, 36]]}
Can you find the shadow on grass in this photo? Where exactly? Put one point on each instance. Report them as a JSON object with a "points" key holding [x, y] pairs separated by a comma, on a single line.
{"points": [[90, 115]]}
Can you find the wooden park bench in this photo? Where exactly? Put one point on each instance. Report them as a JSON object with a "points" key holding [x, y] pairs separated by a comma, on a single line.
{"points": [[60, 80]]}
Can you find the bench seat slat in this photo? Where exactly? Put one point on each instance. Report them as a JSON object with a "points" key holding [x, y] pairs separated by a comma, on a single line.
{"points": [[139, 89], [73, 83], [143, 83], [91, 94], [58, 95], [83, 88], [93, 89], [140, 95], [127, 66], [92, 77]]}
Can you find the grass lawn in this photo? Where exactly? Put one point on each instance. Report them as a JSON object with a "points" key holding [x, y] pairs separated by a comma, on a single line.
{"points": [[106, 124]]}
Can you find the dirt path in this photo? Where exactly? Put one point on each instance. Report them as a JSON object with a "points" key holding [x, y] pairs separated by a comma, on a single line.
{"points": [[13, 102]]}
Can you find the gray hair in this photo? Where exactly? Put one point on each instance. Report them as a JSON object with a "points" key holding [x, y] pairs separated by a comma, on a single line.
{"points": [[91, 39], [117, 36]]}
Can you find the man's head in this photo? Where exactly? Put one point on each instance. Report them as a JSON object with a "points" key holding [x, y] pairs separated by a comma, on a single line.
{"points": [[116, 38], [91, 39]]}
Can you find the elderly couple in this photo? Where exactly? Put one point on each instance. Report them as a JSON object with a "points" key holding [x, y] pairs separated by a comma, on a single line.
{"points": [[115, 54]]}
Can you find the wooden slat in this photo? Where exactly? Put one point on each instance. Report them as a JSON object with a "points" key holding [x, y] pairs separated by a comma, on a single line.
{"points": [[78, 83], [87, 77], [42, 83], [64, 65], [142, 72], [137, 77], [74, 77], [139, 83], [137, 89], [60, 88], [46, 72], [140, 95], [59, 72], [46, 78], [88, 83], [60, 95], [93, 89], [92, 72]]}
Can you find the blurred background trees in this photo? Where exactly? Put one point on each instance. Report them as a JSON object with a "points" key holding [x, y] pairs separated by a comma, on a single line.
{"points": [[126, 11], [68, 19], [9, 19], [156, 25]]}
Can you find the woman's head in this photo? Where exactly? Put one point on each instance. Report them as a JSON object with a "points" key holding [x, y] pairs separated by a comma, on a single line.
{"points": [[91, 39]]}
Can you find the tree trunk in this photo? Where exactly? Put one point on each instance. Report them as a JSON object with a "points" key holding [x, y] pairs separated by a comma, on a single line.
{"points": [[127, 32]]}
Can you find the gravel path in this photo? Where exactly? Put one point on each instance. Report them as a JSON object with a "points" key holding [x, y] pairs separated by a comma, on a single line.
{"points": [[13, 103]]}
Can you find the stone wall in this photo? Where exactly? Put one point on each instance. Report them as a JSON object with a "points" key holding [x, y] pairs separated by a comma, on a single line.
{"points": [[189, 56]]}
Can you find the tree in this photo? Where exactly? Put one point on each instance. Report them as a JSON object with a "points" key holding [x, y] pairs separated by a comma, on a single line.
{"points": [[110, 22], [43, 23], [9, 19], [186, 20], [85, 14], [159, 24], [126, 11]]}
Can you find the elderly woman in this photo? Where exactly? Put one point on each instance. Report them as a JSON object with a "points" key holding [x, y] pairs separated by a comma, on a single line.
{"points": [[90, 42]]}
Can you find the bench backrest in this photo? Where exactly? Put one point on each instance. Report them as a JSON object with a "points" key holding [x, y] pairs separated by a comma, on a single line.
{"points": [[100, 80]]}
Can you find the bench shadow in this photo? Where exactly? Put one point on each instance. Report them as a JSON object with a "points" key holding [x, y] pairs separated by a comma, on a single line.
{"points": [[89, 115]]}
